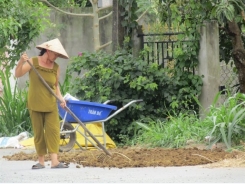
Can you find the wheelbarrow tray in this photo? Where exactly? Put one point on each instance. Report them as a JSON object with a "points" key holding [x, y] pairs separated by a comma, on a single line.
{"points": [[86, 111]]}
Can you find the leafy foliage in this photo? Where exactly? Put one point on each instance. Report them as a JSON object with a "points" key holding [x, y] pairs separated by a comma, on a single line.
{"points": [[122, 77], [70, 3], [128, 12], [65, 86], [227, 10], [21, 22], [14, 115], [227, 120]]}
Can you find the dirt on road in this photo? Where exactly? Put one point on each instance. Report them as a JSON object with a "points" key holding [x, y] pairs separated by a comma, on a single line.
{"points": [[142, 157]]}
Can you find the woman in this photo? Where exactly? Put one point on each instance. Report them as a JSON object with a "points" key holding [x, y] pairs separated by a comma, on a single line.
{"points": [[41, 103]]}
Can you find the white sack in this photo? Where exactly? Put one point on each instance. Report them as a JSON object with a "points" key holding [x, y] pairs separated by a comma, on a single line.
{"points": [[13, 142]]}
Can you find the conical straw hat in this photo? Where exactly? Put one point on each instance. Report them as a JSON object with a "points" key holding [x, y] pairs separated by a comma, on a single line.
{"points": [[54, 45]]}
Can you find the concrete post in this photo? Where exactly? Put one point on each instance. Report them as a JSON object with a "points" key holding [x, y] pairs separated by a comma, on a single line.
{"points": [[209, 65], [138, 44]]}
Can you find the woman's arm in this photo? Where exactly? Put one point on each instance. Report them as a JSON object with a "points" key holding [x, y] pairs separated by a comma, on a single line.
{"points": [[22, 66], [58, 93]]}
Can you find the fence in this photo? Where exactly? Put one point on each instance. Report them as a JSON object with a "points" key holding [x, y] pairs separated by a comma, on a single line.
{"points": [[228, 80], [160, 48]]}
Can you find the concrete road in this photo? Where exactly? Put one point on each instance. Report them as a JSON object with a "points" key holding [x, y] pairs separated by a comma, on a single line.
{"points": [[21, 172]]}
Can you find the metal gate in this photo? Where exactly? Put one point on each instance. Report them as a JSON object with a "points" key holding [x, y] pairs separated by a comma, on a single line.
{"points": [[160, 48]]}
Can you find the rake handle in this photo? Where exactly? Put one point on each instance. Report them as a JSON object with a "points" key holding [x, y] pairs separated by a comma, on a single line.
{"points": [[69, 111]]}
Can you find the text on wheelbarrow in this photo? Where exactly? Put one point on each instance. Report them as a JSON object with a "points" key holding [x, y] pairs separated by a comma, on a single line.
{"points": [[94, 112]]}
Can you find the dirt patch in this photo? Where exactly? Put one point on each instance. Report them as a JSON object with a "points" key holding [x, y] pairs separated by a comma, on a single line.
{"points": [[141, 157]]}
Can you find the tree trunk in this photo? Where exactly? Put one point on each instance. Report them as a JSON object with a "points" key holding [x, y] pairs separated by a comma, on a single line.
{"points": [[96, 28], [117, 29], [238, 52]]}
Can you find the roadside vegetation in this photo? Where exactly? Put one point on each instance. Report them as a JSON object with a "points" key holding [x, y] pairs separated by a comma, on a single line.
{"points": [[224, 123], [141, 125]]}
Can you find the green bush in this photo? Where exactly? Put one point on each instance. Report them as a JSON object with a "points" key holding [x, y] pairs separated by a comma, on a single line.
{"points": [[122, 77]]}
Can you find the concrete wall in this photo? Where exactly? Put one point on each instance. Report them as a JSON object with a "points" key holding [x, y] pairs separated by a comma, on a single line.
{"points": [[104, 3], [209, 64], [75, 34]]}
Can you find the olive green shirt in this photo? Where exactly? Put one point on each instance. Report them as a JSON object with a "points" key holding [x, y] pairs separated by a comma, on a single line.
{"points": [[39, 97]]}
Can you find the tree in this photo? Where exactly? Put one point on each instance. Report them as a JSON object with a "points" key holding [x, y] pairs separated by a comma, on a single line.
{"points": [[21, 21], [231, 17]]}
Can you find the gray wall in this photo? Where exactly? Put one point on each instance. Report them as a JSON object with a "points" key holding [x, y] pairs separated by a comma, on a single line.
{"points": [[75, 34]]}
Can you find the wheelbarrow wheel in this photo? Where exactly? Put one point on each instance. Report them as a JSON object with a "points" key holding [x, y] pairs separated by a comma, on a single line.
{"points": [[67, 140]]}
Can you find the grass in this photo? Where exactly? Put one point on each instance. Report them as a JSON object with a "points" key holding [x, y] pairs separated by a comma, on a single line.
{"points": [[14, 115], [222, 124], [174, 132]]}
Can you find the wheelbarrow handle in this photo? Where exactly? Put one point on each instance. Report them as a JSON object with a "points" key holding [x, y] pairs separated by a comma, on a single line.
{"points": [[107, 101], [121, 109], [140, 100]]}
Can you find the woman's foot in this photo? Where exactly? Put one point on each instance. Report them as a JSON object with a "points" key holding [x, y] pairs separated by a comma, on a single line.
{"points": [[60, 166], [38, 166]]}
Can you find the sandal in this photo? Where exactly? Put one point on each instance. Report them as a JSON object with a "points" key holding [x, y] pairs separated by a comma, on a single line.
{"points": [[38, 166], [59, 166]]}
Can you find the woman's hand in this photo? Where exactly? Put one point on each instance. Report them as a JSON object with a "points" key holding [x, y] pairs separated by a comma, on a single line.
{"points": [[24, 57], [63, 103], [22, 68]]}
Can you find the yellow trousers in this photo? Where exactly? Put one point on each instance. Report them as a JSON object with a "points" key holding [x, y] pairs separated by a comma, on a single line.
{"points": [[46, 129]]}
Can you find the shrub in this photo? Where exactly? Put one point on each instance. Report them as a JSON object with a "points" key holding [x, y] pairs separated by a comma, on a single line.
{"points": [[122, 77]]}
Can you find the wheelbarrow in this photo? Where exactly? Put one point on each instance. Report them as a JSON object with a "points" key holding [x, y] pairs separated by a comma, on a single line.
{"points": [[87, 112]]}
